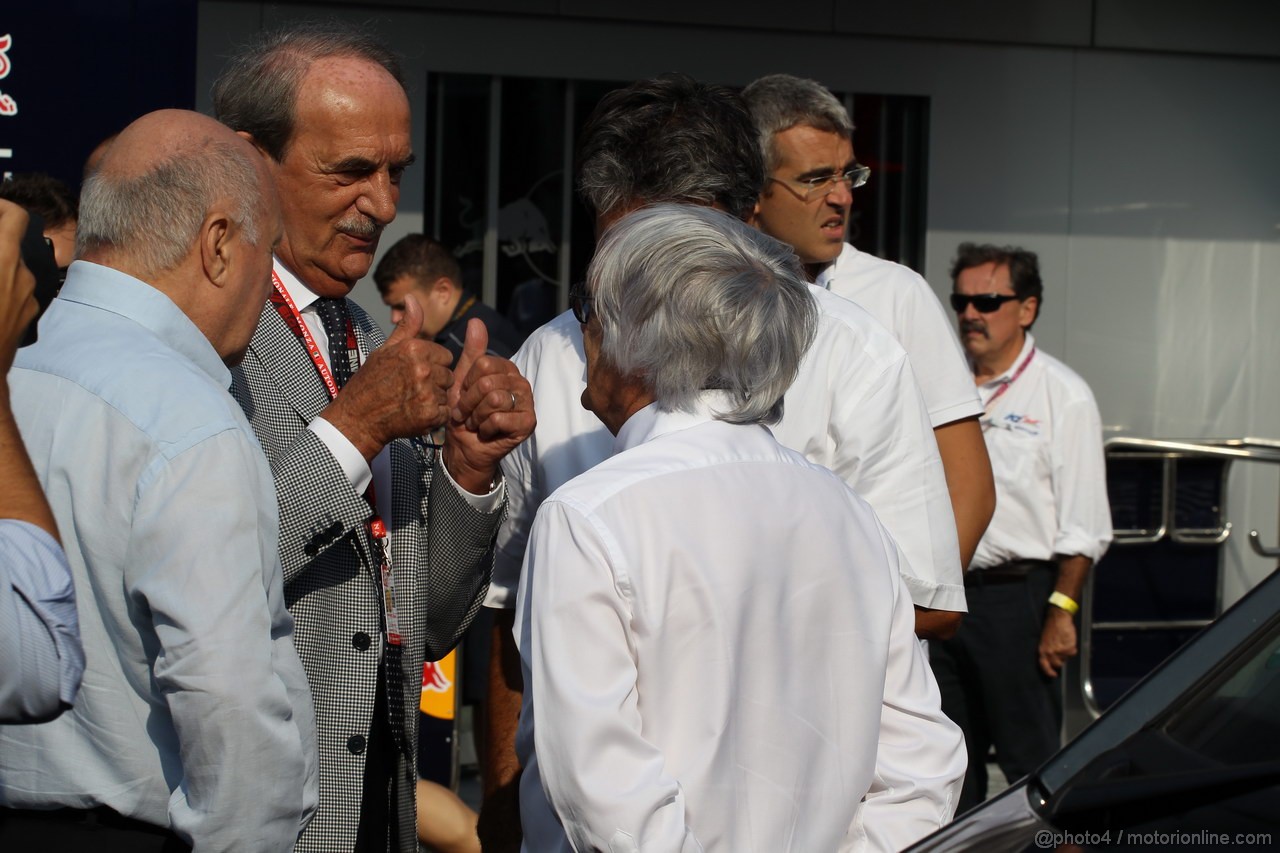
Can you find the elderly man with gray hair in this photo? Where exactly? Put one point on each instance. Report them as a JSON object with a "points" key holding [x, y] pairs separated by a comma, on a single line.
{"points": [[717, 645], [194, 725]]}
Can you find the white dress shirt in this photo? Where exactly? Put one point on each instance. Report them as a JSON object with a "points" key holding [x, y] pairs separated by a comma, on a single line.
{"points": [[718, 654], [905, 304], [854, 408], [194, 713], [1044, 437]]}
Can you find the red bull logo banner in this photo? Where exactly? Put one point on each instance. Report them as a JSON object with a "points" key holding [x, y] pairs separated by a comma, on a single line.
{"points": [[8, 106], [438, 691]]}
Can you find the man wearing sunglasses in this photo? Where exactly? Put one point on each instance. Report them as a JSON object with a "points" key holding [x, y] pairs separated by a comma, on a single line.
{"points": [[998, 676], [806, 139]]}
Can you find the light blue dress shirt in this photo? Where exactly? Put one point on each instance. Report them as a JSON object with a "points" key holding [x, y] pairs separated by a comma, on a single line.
{"points": [[41, 659], [194, 712]]}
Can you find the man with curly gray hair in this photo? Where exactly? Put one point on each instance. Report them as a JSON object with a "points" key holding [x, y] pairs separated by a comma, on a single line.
{"points": [[854, 406], [685, 637]]}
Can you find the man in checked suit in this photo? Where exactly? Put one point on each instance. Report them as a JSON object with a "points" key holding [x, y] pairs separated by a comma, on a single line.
{"points": [[339, 414]]}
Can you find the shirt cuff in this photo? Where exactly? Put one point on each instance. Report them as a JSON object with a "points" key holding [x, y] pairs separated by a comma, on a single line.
{"points": [[487, 503], [352, 461], [1080, 543], [936, 596]]}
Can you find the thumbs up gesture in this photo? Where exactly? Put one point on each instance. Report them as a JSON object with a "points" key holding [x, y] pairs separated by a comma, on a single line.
{"points": [[401, 391], [490, 412]]}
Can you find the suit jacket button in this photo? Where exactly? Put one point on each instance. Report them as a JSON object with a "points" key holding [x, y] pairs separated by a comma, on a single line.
{"points": [[360, 641], [355, 744]]}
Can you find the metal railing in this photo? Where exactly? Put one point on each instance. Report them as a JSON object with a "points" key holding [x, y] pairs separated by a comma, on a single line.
{"points": [[1169, 454]]}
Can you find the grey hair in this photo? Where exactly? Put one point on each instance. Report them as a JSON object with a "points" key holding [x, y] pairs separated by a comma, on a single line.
{"points": [[670, 139], [155, 217], [689, 298], [780, 102], [258, 90]]}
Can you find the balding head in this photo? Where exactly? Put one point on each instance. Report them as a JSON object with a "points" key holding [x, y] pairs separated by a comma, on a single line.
{"points": [[257, 93], [154, 186], [186, 205]]}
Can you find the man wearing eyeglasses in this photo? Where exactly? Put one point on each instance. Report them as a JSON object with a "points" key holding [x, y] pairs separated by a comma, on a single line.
{"points": [[998, 676], [806, 138], [854, 407]]}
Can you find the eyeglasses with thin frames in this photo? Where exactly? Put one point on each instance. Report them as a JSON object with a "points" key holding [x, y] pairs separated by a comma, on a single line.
{"points": [[824, 185], [986, 303]]}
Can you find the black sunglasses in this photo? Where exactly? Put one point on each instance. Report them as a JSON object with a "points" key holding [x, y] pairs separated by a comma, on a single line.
{"points": [[984, 302], [580, 302]]}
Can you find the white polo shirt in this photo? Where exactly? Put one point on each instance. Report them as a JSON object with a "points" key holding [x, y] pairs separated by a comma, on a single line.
{"points": [[854, 408], [1044, 436], [904, 304]]}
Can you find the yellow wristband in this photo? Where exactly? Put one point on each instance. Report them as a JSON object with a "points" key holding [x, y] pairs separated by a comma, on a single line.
{"points": [[1066, 602]]}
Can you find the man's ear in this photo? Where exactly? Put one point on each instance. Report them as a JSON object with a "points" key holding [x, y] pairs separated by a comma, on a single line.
{"points": [[246, 135], [442, 293], [216, 248], [1027, 313], [753, 218]]}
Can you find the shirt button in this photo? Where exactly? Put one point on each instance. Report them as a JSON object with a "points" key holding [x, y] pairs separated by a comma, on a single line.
{"points": [[355, 744], [360, 641]]}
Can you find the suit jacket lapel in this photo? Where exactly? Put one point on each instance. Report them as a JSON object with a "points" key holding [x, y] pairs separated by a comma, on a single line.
{"points": [[288, 365], [362, 338]]}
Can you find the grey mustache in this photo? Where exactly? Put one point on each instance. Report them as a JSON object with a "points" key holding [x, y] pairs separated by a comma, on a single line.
{"points": [[360, 226]]}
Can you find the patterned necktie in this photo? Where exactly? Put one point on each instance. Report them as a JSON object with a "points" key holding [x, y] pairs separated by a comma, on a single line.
{"points": [[393, 661], [333, 316]]}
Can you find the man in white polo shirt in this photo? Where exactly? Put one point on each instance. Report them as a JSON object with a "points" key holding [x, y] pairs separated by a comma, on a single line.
{"points": [[806, 139], [999, 675], [854, 408]]}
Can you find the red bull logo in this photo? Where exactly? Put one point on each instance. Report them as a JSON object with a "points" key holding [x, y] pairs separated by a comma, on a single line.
{"points": [[438, 688], [433, 678], [8, 106]]}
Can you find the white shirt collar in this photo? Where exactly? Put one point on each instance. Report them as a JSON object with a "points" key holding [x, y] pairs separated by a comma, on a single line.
{"points": [[823, 278], [1027, 345], [651, 422], [301, 295]]}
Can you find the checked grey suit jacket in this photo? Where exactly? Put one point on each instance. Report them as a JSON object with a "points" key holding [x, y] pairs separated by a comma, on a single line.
{"points": [[441, 556]]}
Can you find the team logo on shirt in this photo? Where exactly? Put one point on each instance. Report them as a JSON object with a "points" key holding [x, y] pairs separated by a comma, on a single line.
{"points": [[1022, 423]]}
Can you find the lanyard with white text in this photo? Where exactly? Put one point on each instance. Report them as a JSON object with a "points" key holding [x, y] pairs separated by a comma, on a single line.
{"points": [[377, 528], [1012, 379], [293, 319]]}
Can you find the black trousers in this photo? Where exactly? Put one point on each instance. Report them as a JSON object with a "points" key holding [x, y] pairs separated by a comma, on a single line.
{"points": [[991, 684], [81, 830]]}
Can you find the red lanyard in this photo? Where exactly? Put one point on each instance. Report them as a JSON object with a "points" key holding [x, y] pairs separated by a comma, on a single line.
{"points": [[1012, 379], [293, 319], [377, 528]]}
